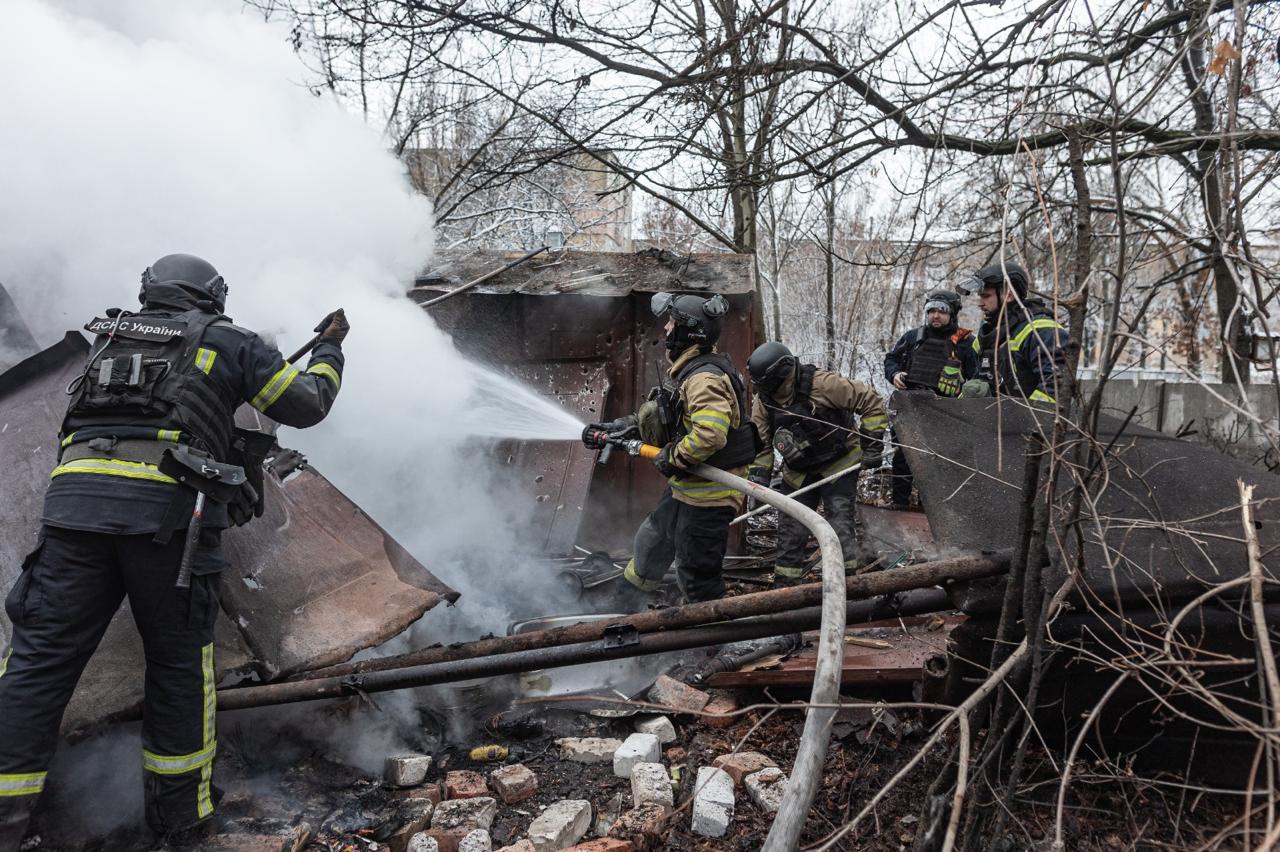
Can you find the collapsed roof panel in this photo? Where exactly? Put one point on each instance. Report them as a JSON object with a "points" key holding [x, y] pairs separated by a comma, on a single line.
{"points": [[1168, 519], [310, 583]]}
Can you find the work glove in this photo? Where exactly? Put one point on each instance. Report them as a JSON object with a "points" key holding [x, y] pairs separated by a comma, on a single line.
{"points": [[760, 476], [788, 447], [664, 464], [872, 461], [623, 427], [335, 330], [900, 380], [975, 388]]}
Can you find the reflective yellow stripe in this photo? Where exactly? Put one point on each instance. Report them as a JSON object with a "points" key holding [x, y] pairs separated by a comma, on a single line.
{"points": [[1038, 395], [1025, 331], [168, 435], [26, 784], [789, 570], [639, 582], [712, 417], [113, 467], [204, 801], [705, 490], [875, 423], [66, 442], [326, 370], [163, 764], [4, 662], [205, 359], [276, 386]]}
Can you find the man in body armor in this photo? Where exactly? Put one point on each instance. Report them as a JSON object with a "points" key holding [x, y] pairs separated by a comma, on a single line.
{"points": [[697, 416], [820, 423], [936, 356], [1020, 346], [154, 406]]}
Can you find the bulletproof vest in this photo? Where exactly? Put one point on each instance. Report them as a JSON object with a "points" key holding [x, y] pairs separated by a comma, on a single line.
{"points": [[142, 382], [825, 430], [933, 364], [1016, 377], [743, 443]]}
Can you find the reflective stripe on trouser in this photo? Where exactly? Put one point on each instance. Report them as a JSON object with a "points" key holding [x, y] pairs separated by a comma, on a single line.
{"points": [[200, 761], [839, 505], [694, 537], [70, 588]]}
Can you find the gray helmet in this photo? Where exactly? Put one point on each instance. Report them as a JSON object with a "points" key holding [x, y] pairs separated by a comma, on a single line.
{"points": [[994, 275], [193, 274], [769, 366], [698, 320]]}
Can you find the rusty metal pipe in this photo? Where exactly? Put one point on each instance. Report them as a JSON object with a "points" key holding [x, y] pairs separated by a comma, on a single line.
{"points": [[857, 588], [618, 645]]}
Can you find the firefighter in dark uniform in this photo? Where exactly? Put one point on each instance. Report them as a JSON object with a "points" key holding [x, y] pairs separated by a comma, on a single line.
{"points": [[1020, 347], [698, 415], [820, 423], [936, 356], [160, 385]]}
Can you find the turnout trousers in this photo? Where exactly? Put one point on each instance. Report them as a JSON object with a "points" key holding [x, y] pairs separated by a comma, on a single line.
{"points": [[840, 506], [68, 591], [695, 537]]}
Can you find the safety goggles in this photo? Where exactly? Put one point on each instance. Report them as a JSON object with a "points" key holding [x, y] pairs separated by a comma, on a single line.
{"points": [[972, 285]]}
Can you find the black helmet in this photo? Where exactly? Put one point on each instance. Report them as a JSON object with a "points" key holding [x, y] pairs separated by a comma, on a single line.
{"points": [[947, 300], [994, 275], [698, 320], [769, 366], [193, 274]]}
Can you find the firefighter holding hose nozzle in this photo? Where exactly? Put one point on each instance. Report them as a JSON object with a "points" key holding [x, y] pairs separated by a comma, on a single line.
{"points": [[151, 469], [697, 415]]}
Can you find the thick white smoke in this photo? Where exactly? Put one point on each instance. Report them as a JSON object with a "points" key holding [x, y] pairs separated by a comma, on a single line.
{"points": [[137, 128]]}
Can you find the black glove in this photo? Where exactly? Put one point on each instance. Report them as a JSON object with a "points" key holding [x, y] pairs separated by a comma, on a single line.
{"points": [[623, 427], [872, 461], [335, 330], [760, 476], [789, 446], [664, 464], [249, 449]]}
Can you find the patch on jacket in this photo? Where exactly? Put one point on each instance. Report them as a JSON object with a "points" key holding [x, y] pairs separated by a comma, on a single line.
{"points": [[155, 329]]}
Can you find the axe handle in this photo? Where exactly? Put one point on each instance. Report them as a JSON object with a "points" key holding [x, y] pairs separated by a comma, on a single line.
{"points": [[192, 541]]}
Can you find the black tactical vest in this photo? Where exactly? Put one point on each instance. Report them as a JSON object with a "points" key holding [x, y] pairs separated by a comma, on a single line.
{"points": [[826, 430], [143, 382], [743, 443]]}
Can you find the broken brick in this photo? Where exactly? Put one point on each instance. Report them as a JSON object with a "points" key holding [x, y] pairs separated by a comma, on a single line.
{"points": [[766, 788], [465, 814], [742, 764], [561, 825], [644, 826], [637, 748], [588, 749], [415, 816], [521, 845], [291, 841], [465, 784], [720, 706], [407, 770], [432, 792], [514, 783], [659, 726], [651, 783], [476, 841], [712, 802], [670, 692], [604, 844]]}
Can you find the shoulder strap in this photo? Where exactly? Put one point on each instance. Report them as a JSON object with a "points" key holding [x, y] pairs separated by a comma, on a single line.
{"points": [[804, 384]]}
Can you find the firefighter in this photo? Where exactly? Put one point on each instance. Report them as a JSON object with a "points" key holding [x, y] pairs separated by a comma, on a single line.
{"points": [[1020, 347], [697, 415], [820, 423], [936, 356], [157, 396]]}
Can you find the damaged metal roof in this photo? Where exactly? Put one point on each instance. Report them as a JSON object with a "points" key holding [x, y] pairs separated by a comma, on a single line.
{"points": [[308, 584]]}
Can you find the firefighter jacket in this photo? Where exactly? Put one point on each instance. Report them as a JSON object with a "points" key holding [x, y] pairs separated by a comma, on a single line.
{"points": [[1022, 353], [954, 360], [708, 409], [140, 394], [826, 409]]}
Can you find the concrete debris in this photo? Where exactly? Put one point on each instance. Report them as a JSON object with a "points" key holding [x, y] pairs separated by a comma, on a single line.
{"points": [[514, 783], [766, 788], [292, 841], [659, 726], [603, 844], [670, 692], [637, 748], [465, 784], [407, 770], [465, 814], [712, 802], [721, 706], [741, 764], [423, 842], [588, 749], [414, 816], [643, 826], [476, 841], [561, 825], [651, 783]]}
